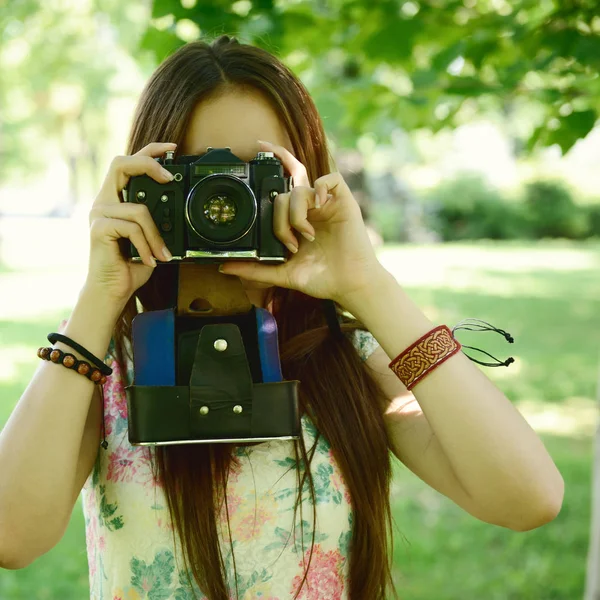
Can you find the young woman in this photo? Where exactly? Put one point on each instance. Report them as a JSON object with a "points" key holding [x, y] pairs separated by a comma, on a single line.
{"points": [[307, 519]]}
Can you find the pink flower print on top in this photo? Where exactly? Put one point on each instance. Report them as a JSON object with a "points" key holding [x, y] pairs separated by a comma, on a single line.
{"points": [[325, 576], [91, 535], [109, 423], [233, 503], [249, 521], [145, 473], [115, 401], [114, 392], [235, 468], [337, 480], [121, 464]]}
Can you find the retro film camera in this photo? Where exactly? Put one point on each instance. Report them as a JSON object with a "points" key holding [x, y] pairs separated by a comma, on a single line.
{"points": [[217, 207], [212, 374]]}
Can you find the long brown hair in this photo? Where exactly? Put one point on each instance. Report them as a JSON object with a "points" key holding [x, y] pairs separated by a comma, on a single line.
{"points": [[337, 390]]}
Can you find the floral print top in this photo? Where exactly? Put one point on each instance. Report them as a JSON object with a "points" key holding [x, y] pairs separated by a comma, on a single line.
{"points": [[129, 536]]}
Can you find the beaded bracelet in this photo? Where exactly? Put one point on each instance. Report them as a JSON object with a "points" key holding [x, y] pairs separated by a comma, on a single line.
{"points": [[99, 364], [426, 354], [68, 360]]}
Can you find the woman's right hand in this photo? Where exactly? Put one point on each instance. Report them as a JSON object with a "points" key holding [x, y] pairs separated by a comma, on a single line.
{"points": [[110, 219]]}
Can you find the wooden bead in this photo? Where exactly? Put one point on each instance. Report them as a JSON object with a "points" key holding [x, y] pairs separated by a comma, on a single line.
{"points": [[83, 368], [68, 360]]}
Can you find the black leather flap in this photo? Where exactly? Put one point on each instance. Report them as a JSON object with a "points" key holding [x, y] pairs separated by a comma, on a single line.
{"points": [[220, 384]]}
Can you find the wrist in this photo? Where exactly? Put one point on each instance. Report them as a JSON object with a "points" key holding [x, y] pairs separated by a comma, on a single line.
{"points": [[379, 285], [92, 322], [387, 311], [106, 307]]}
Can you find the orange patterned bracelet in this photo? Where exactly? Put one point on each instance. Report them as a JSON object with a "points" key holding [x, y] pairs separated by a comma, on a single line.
{"points": [[427, 353]]}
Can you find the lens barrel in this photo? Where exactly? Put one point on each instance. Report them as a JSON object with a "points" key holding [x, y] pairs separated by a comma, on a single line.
{"points": [[221, 209]]}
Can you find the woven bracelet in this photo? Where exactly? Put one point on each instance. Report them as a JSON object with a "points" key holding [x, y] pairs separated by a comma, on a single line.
{"points": [[68, 360], [426, 354]]}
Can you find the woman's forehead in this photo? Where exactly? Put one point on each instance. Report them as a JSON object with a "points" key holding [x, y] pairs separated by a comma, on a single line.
{"points": [[235, 120]]}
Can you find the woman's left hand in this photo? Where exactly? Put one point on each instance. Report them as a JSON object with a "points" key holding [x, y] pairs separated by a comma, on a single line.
{"points": [[339, 260]]}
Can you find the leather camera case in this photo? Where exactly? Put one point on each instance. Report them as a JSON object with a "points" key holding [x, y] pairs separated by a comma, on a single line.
{"points": [[220, 392]]}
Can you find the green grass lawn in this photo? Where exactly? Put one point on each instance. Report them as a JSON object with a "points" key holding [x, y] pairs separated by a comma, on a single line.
{"points": [[547, 295]]}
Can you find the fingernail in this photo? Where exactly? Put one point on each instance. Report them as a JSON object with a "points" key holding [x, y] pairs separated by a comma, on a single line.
{"points": [[291, 248], [220, 268], [263, 142], [166, 253], [168, 175], [153, 261], [308, 236]]}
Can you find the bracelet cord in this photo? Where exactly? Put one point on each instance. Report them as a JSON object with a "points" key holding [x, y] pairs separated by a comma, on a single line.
{"points": [[104, 369], [58, 337], [435, 347], [479, 325]]}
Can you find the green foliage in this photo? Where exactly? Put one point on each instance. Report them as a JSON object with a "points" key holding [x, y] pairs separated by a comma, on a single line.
{"points": [[387, 218], [57, 62], [551, 211], [593, 220], [414, 64], [467, 208]]}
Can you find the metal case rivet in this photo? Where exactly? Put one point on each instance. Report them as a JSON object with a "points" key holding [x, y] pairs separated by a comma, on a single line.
{"points": [[164, 198], [220, 345], [237, 409], [178, 176], [203, 410]]}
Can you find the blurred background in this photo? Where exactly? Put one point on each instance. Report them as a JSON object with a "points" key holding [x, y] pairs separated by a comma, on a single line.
{"points": [[467, 131]]}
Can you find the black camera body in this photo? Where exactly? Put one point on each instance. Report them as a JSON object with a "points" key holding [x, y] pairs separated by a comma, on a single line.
{"points": [[217, 207]]}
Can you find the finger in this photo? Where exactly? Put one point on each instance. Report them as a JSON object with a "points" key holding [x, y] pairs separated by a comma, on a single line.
{"points": [[302, 198], [124, 167], [104, 230], [281, 222], [156, 149], [331, 186], [140, 273], [293, 166], [254, 271], [137, 213]]}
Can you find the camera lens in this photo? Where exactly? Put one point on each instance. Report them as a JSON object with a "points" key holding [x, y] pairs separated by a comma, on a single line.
{"points": [[221, 209]]}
